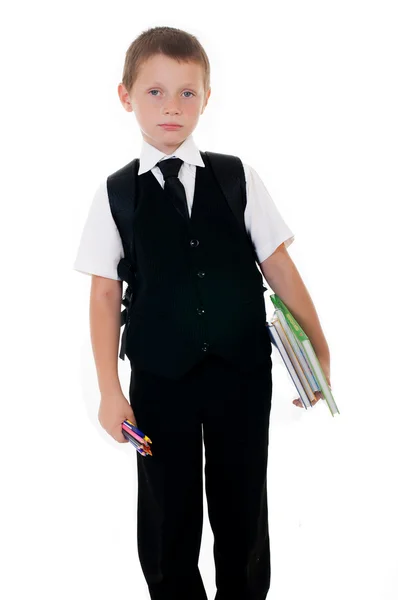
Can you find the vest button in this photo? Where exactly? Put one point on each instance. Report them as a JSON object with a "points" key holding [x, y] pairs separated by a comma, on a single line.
{"points": [[205, 346], [200, 311], [194, 243], [201, 274]]}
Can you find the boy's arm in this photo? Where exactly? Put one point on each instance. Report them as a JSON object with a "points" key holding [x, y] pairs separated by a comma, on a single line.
{"points": [[281, 273], [105, 302]]}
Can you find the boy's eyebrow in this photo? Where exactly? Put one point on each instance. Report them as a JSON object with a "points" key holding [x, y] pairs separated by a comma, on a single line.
{"points": [[182, 85]]}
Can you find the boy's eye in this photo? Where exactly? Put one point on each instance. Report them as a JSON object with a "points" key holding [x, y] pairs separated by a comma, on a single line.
{"points": [[183, 92]]}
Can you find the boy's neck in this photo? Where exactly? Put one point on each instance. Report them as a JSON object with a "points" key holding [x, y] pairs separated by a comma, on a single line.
{"points": [[166, 148]]}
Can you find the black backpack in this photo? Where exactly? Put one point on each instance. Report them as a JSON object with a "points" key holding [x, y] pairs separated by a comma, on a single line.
{"points": [[228, 171]]}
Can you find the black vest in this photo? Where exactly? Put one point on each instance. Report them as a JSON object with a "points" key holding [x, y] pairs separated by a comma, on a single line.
{"points": [[197, 288]]}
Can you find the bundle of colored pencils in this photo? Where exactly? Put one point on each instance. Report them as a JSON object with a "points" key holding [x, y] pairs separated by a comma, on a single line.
{"points": [[139, 440]]}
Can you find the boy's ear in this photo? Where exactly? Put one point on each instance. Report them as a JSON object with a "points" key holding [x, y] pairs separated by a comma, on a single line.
{"points": [[206, 99], [124, 97]]}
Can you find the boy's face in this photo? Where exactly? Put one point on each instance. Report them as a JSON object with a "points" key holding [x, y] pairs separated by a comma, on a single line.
{"points": [[166, 91]]}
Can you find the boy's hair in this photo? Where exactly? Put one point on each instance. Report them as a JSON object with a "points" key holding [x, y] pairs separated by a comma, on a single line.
{"points": [[170, 41]]}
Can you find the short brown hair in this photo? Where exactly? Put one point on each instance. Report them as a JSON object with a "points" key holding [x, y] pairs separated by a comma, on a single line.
{"points": [[170, 41]]}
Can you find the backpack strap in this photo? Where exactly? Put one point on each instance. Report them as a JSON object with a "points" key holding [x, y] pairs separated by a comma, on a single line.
{"points": [[230, 174], [228, 170], [121, 187]]}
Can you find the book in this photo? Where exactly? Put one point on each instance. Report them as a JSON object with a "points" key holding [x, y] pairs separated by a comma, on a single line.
{"points": [[299, 356]]}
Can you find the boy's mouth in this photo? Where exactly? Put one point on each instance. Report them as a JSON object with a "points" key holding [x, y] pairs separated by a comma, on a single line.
{"points": [[170, 125]]}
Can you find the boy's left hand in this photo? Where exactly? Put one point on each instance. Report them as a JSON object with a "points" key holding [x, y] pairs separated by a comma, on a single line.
{"points": [[325, 364]]}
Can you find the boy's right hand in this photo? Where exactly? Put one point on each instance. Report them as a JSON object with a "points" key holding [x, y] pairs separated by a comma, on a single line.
{"points": [[112, 412]]}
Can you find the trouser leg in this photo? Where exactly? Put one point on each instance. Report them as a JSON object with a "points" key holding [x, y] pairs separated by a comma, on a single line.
{"points": [[170, 485], [235, 429]]}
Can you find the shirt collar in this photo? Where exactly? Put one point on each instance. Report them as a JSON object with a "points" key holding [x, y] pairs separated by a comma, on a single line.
{"points": [[187, 151]]}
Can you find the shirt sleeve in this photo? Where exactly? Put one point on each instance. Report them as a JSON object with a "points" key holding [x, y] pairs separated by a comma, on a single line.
{"points": [[100, 247], [263, 221]]}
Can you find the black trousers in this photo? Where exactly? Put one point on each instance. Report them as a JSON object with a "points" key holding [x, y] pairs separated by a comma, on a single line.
{"points": [[234, 409]]}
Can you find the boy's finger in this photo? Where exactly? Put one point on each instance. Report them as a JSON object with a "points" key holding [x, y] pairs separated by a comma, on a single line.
{"points": [[120, 437], [297, 402]]}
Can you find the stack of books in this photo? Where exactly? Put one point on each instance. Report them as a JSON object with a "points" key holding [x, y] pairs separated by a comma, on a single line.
{"points": [[299, 356]]}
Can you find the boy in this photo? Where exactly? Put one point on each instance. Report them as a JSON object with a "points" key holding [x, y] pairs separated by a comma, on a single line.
{"points": [[199, 351]]}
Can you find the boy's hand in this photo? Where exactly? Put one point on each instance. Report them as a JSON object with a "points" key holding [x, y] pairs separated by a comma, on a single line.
{"points": [[112, 412], [325, 364]]}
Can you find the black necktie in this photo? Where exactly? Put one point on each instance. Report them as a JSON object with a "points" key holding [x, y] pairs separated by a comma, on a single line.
{"points": [[173, 186]]}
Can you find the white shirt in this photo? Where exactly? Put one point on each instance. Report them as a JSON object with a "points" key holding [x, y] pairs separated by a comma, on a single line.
{"points": [[101, 247]]}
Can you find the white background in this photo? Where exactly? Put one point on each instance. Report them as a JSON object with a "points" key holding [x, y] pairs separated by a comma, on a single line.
{"points": [[306, 93]]}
